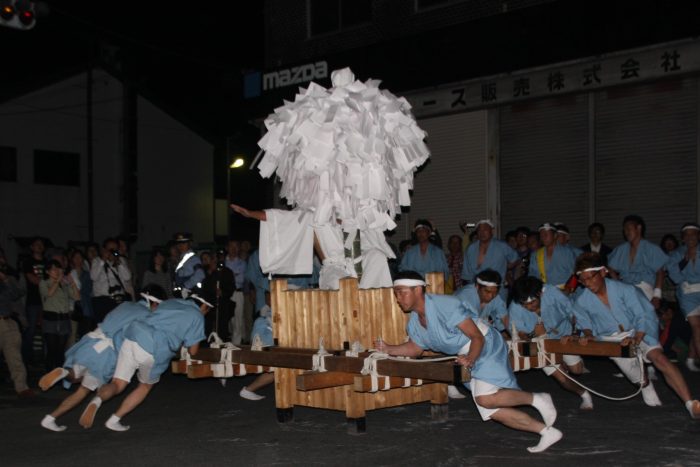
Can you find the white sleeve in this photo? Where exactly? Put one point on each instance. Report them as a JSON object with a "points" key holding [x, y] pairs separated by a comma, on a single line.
{"points": [[286, 242]]}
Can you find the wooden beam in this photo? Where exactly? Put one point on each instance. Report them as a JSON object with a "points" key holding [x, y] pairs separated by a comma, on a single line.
{"points": [[532, 362], [199, 370], [592, 348], [179, 367], [313, 380], [204, 370], [364, 383], [303, 359]]}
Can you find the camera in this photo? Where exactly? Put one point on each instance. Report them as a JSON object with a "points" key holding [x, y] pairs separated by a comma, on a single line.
{"points": [[115, 253], [464, 225]]}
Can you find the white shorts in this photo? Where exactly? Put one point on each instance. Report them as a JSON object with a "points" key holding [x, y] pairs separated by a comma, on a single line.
{"points": [[644, 348], [695, 312], [131, 358], [482, 388], [570, 360], [86, 379]]}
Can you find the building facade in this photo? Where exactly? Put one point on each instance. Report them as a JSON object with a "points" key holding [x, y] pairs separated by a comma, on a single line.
{"points": [[70, 174], [530, 118]]}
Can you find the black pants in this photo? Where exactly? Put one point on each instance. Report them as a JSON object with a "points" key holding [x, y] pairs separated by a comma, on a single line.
{"points": [[54, 348], [101, 306]]}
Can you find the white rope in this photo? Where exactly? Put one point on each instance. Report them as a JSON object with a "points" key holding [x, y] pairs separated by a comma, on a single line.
{"points": [[355, 349], [369, 367], [599, 394], [319, 358], [257, 344], [222, 370]]}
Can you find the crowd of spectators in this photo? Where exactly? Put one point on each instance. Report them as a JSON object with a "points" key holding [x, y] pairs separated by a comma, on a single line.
{"points": [[62, 294], [546, 253], [56, 295]]}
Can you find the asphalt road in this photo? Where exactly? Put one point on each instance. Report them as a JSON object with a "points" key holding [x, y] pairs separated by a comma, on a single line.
{"points": [[199, 422]]}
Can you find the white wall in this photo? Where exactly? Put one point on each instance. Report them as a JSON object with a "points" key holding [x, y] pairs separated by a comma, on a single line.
{"points": [[174, 168]]}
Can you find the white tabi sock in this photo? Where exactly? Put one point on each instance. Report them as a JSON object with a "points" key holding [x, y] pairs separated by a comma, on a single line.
{"points": [[453, 392], [650, 397], [652, 373], [690, 364], [250, 395], [52, 377], [88, 417], [548, 436], [114, 424], [693, 407], [586, 401], [544, 405], [49, 423]]}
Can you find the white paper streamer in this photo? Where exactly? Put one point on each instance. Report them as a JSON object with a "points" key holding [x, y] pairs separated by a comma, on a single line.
{"points": [[346, 154]]}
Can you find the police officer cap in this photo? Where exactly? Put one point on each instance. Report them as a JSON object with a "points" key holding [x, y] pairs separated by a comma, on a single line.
{"points": [[182, 237]]}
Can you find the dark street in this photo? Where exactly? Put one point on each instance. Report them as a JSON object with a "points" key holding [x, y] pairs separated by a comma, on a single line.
{"points": [[196, 422]]}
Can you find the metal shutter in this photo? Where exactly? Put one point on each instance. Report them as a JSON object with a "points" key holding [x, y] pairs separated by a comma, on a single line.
{"points": [[646, 156], [451, 187], [544, 164]]}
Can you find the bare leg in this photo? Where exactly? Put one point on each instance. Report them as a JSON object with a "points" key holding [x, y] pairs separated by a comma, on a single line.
{"points": [[248, 392], [517, 419], [505, 398], [71, 401], [105, 393], [131, 401], [113, 388], [261, 381], [673, 376], [694, 322], [134, 399]]}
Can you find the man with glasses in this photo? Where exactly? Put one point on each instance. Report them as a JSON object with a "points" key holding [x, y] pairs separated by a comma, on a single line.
{"points": [[607, 308], [445, 324]]}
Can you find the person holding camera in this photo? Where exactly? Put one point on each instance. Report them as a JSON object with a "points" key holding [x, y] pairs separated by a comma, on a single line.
{"points": [[108, 274], [57, 292]]}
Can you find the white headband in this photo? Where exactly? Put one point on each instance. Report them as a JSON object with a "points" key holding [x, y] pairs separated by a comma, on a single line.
{"points": [[529, 300], [690, 227], [485, 221], [597, 268], [547, 226], [151, 298], [486, 283], [409, 283], [201, 300], [422, 226]]}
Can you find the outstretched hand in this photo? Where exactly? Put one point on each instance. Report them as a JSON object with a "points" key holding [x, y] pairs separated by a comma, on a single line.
{"points": [[241, 210]]}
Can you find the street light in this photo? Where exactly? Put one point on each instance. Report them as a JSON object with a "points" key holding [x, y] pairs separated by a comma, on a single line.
{"points": [[238, 161]]}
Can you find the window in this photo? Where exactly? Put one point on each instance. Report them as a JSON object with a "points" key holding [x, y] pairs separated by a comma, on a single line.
{"points": [[8, 164], [428, 4], [326, 16], [56, 168]]}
